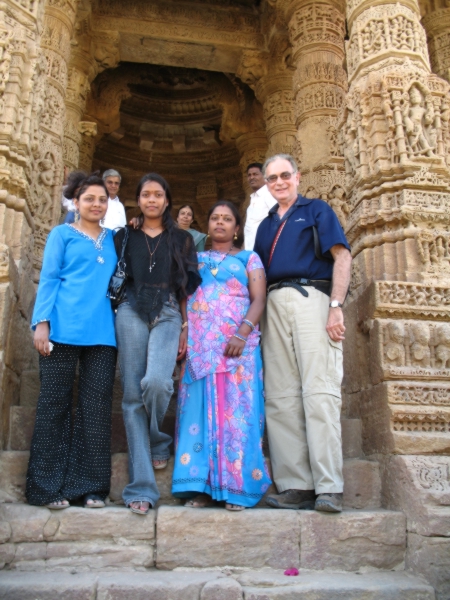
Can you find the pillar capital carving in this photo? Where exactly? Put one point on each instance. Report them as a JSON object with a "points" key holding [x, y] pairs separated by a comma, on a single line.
{"points": [[354, 8], [437, 26]]}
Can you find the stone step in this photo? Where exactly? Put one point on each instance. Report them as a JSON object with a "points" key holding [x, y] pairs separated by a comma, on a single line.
{"points": [[113, 538], [22, 424], [214, 585], [362, 484]]}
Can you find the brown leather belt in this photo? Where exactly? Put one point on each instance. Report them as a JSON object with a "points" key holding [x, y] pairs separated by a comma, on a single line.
{"points": [[299, 283]]}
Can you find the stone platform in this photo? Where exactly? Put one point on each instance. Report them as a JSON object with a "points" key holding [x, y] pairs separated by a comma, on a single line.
{"points": [[226, 584]]}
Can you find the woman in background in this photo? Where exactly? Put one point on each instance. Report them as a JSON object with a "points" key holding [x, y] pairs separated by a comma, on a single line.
{"points": [[185, 218]]}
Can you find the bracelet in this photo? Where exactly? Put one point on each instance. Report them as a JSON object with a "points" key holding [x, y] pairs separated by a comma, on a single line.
{"points": [[249, 323], [185, 324], [239, 337]]}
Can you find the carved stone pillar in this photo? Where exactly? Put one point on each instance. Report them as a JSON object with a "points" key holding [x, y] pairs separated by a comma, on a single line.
{"points": [[316, 31], [395, 131], [437, 26]]}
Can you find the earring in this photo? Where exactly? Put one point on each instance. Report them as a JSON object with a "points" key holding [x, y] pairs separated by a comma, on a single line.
{"points": [[77, 215], [207, 236], [235, 237]]}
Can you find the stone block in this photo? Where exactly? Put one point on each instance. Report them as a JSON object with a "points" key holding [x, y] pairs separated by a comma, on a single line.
{"points": [[222, 589], [430, 556], [30, 386], [98, 556], [5, 532], [30, 557], [158, 585], [351, 438], [21, 427], [13, 471], [215, 537], [44, 586], [352, 540], [113, 523], [7, 552], [419, 486], [27, 522], [348, 586], [362, 484]]}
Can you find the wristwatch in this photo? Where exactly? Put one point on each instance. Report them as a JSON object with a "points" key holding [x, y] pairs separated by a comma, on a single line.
{"points": [[335, 304]]}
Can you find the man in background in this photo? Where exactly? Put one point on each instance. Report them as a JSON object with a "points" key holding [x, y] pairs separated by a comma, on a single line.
{"points": [[115, 215], [261, 201]]}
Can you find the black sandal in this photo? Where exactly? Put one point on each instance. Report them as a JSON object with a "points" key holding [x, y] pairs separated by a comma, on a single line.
{"points": [[97, 502]]}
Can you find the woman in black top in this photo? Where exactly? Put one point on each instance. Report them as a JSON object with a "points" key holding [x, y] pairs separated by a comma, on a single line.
{"points": [[151, 330]]}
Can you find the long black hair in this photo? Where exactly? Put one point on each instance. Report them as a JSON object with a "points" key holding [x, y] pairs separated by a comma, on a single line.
{"points": [[79, 181], [175, 247], [240, 234]]}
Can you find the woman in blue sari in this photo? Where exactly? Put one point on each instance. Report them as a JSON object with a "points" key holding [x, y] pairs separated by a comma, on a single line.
{"points": [[220, 421]]}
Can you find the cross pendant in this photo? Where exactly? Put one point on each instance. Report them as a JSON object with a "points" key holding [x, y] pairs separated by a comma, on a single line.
{"points": [[151, 266]]}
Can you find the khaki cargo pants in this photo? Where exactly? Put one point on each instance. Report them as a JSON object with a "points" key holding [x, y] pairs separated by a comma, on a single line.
{"points": [[302, 377]]}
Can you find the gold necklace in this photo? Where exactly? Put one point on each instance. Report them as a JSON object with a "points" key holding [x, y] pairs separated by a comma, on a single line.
{"points": [[150, 252], [214, 270]]}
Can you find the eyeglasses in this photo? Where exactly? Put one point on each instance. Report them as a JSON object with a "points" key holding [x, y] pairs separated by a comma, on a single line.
{"points": [[284, 176]]}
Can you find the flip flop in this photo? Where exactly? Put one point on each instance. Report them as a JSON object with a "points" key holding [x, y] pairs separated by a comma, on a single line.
{"points": [[200, 501], [138, 511], [234, 507], [56, 506], [97, 501], [161, 464]]}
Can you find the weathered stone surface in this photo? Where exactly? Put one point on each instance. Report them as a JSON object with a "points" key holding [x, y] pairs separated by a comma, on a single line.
{"points": [[29, 388], [21, 427], [215, 537], [97, 556], [5, 531], [7, 552], [117, 523], [43, 586], [430, 557], [27, 522], [352, 540], [362, 484], [420, 487], [29, 557], [351, 586], [222, 589], [351, 438], [164, 586], [13, 470]]}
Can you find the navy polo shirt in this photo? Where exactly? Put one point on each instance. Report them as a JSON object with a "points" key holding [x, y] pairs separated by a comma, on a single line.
{"points": [[294, 254]]}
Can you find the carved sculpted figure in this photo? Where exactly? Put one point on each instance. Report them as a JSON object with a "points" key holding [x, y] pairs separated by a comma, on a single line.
{"points": [[394, 346], [339, 205], [418, 117], [443, 347], [420, 350]]}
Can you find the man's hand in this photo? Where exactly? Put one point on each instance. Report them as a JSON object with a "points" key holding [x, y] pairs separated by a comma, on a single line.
{"points": [[335, 324]]}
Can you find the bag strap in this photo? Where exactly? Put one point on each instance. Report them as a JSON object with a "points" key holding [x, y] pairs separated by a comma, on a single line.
{"points": [[121, 264], [275, 241], [317, 249]]}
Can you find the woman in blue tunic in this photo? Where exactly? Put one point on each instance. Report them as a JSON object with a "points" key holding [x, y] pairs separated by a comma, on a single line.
{"points": [[220, 421], [74, 324]]}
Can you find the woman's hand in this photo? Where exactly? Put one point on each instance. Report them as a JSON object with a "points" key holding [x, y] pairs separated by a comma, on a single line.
{"points": [[41, 341], [235, 347], [182, 344], [134, 222]]}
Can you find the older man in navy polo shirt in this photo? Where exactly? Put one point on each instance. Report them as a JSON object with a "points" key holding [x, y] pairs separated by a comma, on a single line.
{"points": [[307, 261]]}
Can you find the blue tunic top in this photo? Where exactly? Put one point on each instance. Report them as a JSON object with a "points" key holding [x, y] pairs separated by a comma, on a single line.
{"points": [[294, 254], [72, 290]]}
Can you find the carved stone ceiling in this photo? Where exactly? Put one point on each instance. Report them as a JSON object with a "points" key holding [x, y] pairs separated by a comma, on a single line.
{"points": [[170, 121], [204, 34]]}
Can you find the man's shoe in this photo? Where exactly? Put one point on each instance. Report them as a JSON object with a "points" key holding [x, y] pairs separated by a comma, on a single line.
{"points": [[298, 499], [329, 502]]}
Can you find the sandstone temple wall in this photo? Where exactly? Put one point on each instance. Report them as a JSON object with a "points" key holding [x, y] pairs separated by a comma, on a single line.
{"points": [[358, 92]]}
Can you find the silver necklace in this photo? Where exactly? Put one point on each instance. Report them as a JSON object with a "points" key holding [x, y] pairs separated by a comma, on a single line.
{"points": [[152, 264]]}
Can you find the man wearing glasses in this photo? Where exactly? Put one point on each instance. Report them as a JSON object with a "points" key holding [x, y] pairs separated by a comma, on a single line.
{"points": [[307, 260]]}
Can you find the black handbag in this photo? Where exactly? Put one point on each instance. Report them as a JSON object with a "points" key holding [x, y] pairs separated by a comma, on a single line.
{"points": [[116, 287]]}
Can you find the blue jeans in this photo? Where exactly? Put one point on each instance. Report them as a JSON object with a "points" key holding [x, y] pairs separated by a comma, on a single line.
{"points": [[147, 356]]}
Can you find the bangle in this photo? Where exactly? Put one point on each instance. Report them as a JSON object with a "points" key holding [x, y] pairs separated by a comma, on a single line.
{"points": [[249, 323], [185, 324], [239, 337]]}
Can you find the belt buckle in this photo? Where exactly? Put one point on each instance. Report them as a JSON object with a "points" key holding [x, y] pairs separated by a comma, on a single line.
{"points": [[304, 281]]}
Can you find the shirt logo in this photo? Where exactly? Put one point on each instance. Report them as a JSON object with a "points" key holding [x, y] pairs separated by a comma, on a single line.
{"points": [[296, 220]]}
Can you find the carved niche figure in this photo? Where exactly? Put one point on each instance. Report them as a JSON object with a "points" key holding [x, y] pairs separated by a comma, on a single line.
{"points": [[394, 346], [443, 347], [391, 147], [420, 350], [418, 119], [311, 193], [351, 143], [339, 205], [418, 295], [44, 188]]}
